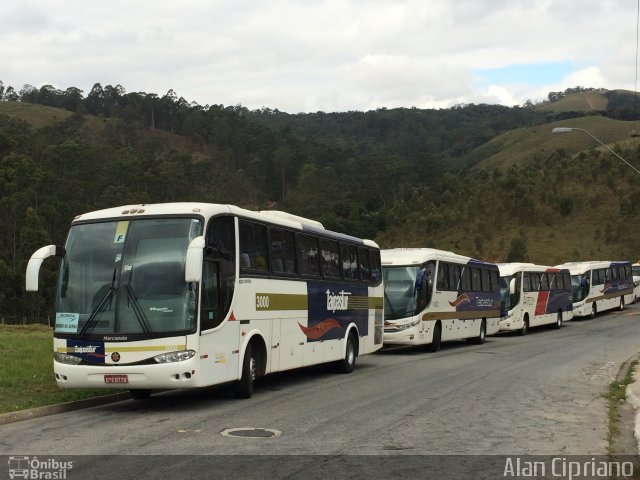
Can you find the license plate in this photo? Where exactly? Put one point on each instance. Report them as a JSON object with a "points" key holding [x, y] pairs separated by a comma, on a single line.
{"points": [[116, 379]]}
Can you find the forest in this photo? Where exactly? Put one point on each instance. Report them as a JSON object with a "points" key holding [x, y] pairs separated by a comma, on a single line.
{"points": [[486, 181]]}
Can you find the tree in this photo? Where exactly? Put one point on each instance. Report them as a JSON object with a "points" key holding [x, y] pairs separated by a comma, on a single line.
{"points": [[95, 102], [519, 250], [33, 236]]}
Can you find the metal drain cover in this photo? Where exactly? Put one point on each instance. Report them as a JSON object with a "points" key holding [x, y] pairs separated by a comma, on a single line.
{"points": [[251, 432]]}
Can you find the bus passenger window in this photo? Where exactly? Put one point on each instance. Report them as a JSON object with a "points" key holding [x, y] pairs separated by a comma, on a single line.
{"points": [[486, 280], [253, 243], [466, 279], [308, 255], [376, 267], [349, 262], [475, 280], [282, 251], [454, 277], [330, 258], [363, 261], [544, 282]]}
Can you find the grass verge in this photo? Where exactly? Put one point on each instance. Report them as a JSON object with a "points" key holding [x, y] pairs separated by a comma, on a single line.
{"points": [[26, 370]]}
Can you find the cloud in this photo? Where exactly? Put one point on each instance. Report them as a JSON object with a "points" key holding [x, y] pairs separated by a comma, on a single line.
{"points": [[323, 54]]}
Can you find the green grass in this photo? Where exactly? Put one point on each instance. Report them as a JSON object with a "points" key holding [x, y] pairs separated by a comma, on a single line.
{"points": [[576, 102], [26, 372], [528, 145], [37, 115]]}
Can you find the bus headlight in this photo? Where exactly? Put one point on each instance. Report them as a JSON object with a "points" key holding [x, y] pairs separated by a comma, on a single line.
{"points": [[68, 359], [174, 356], [405, 326]]}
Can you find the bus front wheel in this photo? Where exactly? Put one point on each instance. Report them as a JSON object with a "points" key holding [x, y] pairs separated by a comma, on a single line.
{"points": [[621, 303], [434, 346], [244, 387], [594, 310], [525, 327]]}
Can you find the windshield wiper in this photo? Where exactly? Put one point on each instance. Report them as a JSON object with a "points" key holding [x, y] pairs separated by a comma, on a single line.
{"points": [[105, 300], [389, 304], [135, 305], [137, 310]]}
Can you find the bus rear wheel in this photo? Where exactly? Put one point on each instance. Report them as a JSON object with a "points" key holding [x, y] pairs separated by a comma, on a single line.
{"points": [[594, 310], [621, 303], [479, 340], [244, 387], [348, 363], [558, 323]]}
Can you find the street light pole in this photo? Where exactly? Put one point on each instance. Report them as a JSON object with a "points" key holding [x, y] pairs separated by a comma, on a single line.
{"points": [[559, 130]]}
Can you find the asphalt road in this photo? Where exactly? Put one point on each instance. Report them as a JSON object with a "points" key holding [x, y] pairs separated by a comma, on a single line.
{"points": [[541, 394]]}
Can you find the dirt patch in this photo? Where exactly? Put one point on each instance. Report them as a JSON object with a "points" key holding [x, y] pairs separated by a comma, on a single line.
{"points": [[625, 442]]}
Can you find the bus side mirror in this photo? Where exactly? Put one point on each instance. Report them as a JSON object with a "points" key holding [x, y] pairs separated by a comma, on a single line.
{"points": [[33, 267], [193, 264], [512, 286]]}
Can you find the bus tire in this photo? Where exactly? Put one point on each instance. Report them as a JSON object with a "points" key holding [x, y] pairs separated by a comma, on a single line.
{"points": [[479, 340], [558, 323], [525, 327], [244, 387], [594, 310], [621, 303], [348, 363], [140, 393], [434, 346]]}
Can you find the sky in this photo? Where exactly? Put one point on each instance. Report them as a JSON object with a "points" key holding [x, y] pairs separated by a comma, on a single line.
{"points": [[323, 55]]}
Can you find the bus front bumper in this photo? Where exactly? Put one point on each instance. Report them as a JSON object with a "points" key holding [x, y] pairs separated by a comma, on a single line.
{"points": [[166, 376]]}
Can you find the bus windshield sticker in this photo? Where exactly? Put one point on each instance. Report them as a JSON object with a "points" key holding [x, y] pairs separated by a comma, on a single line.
{"points": [[121, 232], [67, 322]]}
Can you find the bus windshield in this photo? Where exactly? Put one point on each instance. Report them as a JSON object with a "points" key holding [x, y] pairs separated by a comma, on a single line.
{"points": [[579, 287], [127, 277], [400, 293], [505, 295]]}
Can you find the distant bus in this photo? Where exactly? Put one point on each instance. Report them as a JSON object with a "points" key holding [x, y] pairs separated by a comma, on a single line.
{"points": [[635, 271], [433, 296], [599, 286], [533, 295], [186, 295]]}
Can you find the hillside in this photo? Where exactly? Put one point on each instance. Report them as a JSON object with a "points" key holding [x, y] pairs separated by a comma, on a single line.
{"points": [[38, 116], [577, 102], [481, 180]]}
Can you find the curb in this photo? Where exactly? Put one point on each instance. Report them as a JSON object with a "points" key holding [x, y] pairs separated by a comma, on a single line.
{"points": [[632, 396], [20, 415]]}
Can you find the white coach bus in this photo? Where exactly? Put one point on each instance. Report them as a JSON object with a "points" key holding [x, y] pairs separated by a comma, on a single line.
{"points": [[433, 296], [599, 286], [534, 295], [635, 271], [190, 294]]}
